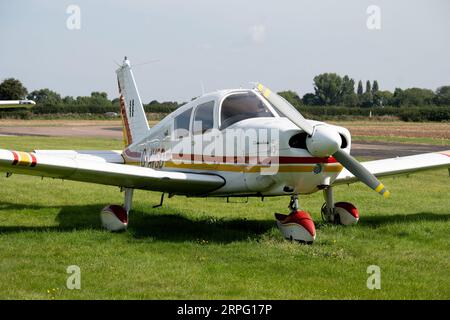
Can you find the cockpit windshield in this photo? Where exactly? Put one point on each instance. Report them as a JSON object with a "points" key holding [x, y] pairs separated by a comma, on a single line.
{"points": [[241, 106]]}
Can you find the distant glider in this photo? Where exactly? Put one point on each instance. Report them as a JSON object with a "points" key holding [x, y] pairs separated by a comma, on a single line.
{"points": [[8, 104]]}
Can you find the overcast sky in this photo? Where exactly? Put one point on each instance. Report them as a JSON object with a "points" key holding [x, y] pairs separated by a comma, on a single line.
{"points": [[223, 44]]}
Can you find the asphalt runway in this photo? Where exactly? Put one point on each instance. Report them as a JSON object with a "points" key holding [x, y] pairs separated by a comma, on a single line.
{"points": [[380, 150], [375, 150]]}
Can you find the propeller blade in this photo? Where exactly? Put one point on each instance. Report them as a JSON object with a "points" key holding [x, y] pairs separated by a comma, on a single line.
{"points": [[358, 170], [286, 108]]}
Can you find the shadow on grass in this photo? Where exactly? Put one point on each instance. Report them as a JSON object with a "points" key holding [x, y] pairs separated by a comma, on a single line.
{"points": [[161, 224], [168, 225]]}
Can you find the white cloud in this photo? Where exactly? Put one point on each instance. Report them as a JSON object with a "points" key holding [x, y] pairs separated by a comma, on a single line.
{"points": [[257, 33]]}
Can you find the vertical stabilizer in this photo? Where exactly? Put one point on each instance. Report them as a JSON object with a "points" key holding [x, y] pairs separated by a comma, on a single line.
{"points": [[135, 124]]}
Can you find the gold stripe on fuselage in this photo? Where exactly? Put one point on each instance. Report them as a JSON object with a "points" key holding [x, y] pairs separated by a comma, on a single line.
{"points": [[250, 168]]}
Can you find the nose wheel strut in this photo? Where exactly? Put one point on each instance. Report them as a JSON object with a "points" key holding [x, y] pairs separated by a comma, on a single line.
{"points": [[293, 203]]}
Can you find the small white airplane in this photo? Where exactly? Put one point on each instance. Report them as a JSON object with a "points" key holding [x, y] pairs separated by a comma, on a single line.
{"points": [[17, 103], [242, 142]]}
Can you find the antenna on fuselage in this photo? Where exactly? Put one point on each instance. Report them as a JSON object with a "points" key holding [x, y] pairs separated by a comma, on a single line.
{"points": [[202, 87]]}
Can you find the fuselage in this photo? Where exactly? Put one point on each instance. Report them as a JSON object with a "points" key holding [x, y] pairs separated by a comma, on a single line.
{"points": [[240, 136]]}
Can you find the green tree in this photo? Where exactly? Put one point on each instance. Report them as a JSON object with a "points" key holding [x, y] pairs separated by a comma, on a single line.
{"points": [[292, 97], [368, 87], [350, 100], [360, 90], [376, 98], [100, 95], [375, 87], [12, 89], [383, 98], [68, 100], [413, 97], [348, 85], [443, 96], [366, 100], [348, 96], [328, 88], [397, 97], [310, 99], [45, 97], [97, 99]]}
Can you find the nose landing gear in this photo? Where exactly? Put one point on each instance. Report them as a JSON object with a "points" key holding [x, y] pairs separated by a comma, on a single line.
{"points": [[299, 226]]}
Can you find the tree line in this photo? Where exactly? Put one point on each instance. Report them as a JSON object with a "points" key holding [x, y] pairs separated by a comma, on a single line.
{"points": [[50, 102], [333, 95], [330, 89]]}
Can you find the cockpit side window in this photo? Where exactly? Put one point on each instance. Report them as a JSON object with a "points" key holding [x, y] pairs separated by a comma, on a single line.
{"points": [[203, 118], [181, 124], [241, 106]]}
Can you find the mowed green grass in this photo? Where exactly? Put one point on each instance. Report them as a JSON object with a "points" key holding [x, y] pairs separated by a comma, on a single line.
{"points": [[412, 140], [208, 249]]}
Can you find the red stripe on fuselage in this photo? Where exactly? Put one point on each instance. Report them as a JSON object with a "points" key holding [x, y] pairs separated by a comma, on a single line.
{"points": [[286, 160], [239, 160], [255, 160]]}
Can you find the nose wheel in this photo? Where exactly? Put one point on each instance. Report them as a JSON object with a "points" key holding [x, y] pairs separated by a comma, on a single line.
{"points": [[298, 225]]}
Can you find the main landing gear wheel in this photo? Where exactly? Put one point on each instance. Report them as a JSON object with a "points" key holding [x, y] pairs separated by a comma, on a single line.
{"points": [[115, 217], [298, 225], [340, 212], [344, 213]]}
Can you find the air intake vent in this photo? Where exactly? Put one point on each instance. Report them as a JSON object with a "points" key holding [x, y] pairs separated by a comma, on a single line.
{"points": [[298, 141], [344, 143]]}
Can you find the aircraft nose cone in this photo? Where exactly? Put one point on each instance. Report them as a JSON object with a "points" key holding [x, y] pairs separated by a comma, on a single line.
{"points": [[324, 142]]}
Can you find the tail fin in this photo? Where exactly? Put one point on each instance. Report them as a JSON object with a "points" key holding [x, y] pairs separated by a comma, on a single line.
{"points": [[135, 124]]}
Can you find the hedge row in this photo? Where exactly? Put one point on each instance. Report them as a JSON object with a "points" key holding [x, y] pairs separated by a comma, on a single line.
{"points": [[315, 112], [406, 114], [165, 107]]}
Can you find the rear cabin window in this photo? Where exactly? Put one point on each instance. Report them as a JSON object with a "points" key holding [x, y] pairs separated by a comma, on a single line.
{"points": [[181, 124], [241, 106], [204, 117]]}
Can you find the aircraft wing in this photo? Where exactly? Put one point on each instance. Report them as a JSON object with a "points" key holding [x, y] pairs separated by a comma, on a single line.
{"points": [[399, 166], [95, 168]]}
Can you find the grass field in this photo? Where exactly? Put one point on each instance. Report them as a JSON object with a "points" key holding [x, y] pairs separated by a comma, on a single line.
{"points": [[206, 248]]}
